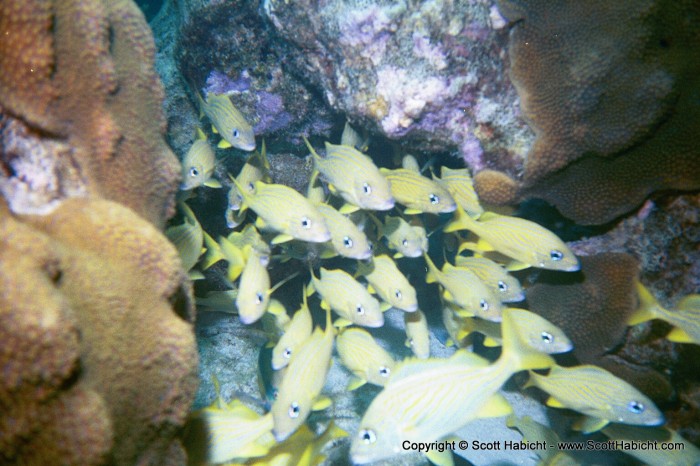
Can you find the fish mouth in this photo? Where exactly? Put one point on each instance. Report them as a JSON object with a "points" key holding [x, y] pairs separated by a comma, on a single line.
{"points": [[280, 436], [246, 147], [386, 205], [412, 308]]}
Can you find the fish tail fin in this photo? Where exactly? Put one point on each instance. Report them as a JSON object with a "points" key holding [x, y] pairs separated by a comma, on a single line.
{"points": [[314, 154], [460, 221], [516, 352], [233, 255], [214, 253], [648, 308], [432, 275]]}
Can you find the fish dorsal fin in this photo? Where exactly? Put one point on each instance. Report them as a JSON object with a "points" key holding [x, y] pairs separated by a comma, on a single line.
{"points": [[355, 383], [496, 406], [320, 403], [281, 238]]}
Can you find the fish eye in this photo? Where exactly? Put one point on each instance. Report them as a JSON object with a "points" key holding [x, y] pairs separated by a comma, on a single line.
{"points": [[502, 286], [434, 199], [556, 255], [305, 222], [235, 133], [287, 353], [547, 337], [347, 242], [360, 309], [398, 294], [294, 410], [368, 436], [259, 297], [410, 342], [251, 187], [635, 407], [367, 189], [484, 305], [194, 171], [384, 371], [404, 243]]}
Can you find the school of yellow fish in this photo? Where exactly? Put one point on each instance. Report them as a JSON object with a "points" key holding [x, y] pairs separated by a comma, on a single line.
{"points": [[374, 216]]}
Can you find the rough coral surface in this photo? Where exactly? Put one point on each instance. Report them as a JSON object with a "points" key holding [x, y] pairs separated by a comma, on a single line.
{"points": [[428, 73], [97, 345], [78, 74], [611, 90]]}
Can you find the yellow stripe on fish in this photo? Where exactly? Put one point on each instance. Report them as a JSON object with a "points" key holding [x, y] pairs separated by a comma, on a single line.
{"points": [[347, 239], [503, 285], [595, 392], [284, 210], [348, 298], [426, 400], [353, 176], [228, 122], [256, 168], [364, 357], [464, 289], [253, 290], [187, 237], [303, 382], [523, 240], [418, 193], [460, 185], [389, 283]]}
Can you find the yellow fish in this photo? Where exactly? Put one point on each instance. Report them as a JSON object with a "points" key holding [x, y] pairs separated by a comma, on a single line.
{"points": [[363, 356], [409, 162], [429, 399], [461, 327], [227, 121], [256, 168], [597, 393], [342, 293], [224, 250], [233, 431], [347, 239], [188, 238], [406, 239], [303, 382], [685, 319], [389, 283], [533, 431], [523, 240], [314, 191], [460, 185], [218, 301], [295, 334], [688, 454], [198, 165], [287, 212], [253, 290], [464, 289], [250, 236], [503, 285], [269, 380], [353, 176], [417, 333], [418, 193]]}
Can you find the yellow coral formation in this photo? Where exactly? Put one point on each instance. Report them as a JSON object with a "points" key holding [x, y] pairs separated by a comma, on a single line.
{"points": [[80, 72], [98, 348], [611, 90]]}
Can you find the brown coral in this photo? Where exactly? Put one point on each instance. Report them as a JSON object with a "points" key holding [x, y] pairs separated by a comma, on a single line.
{"points": [[611, 89], [494, 187], [98, 351], [78, 75], [592, 307]]}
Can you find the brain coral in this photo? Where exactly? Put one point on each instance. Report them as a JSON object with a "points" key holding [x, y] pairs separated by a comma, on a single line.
{"points": [[98, 353], [77, 83], [612, 90]]}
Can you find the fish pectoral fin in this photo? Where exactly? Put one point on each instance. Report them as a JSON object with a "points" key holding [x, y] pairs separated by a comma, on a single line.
{"points": [[322, 402], [589, 424], [224, 144], [214, 130], [398, 255], [514, 266], [384, 306], [438, 458], [212, 183], [491, 343], [342, 322], [276, 308], [355, 383], [281, 238], [348, 208], [678, 335], [554, 403], [412, 211], [195, 275], [371, 289], [496, 406]]}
